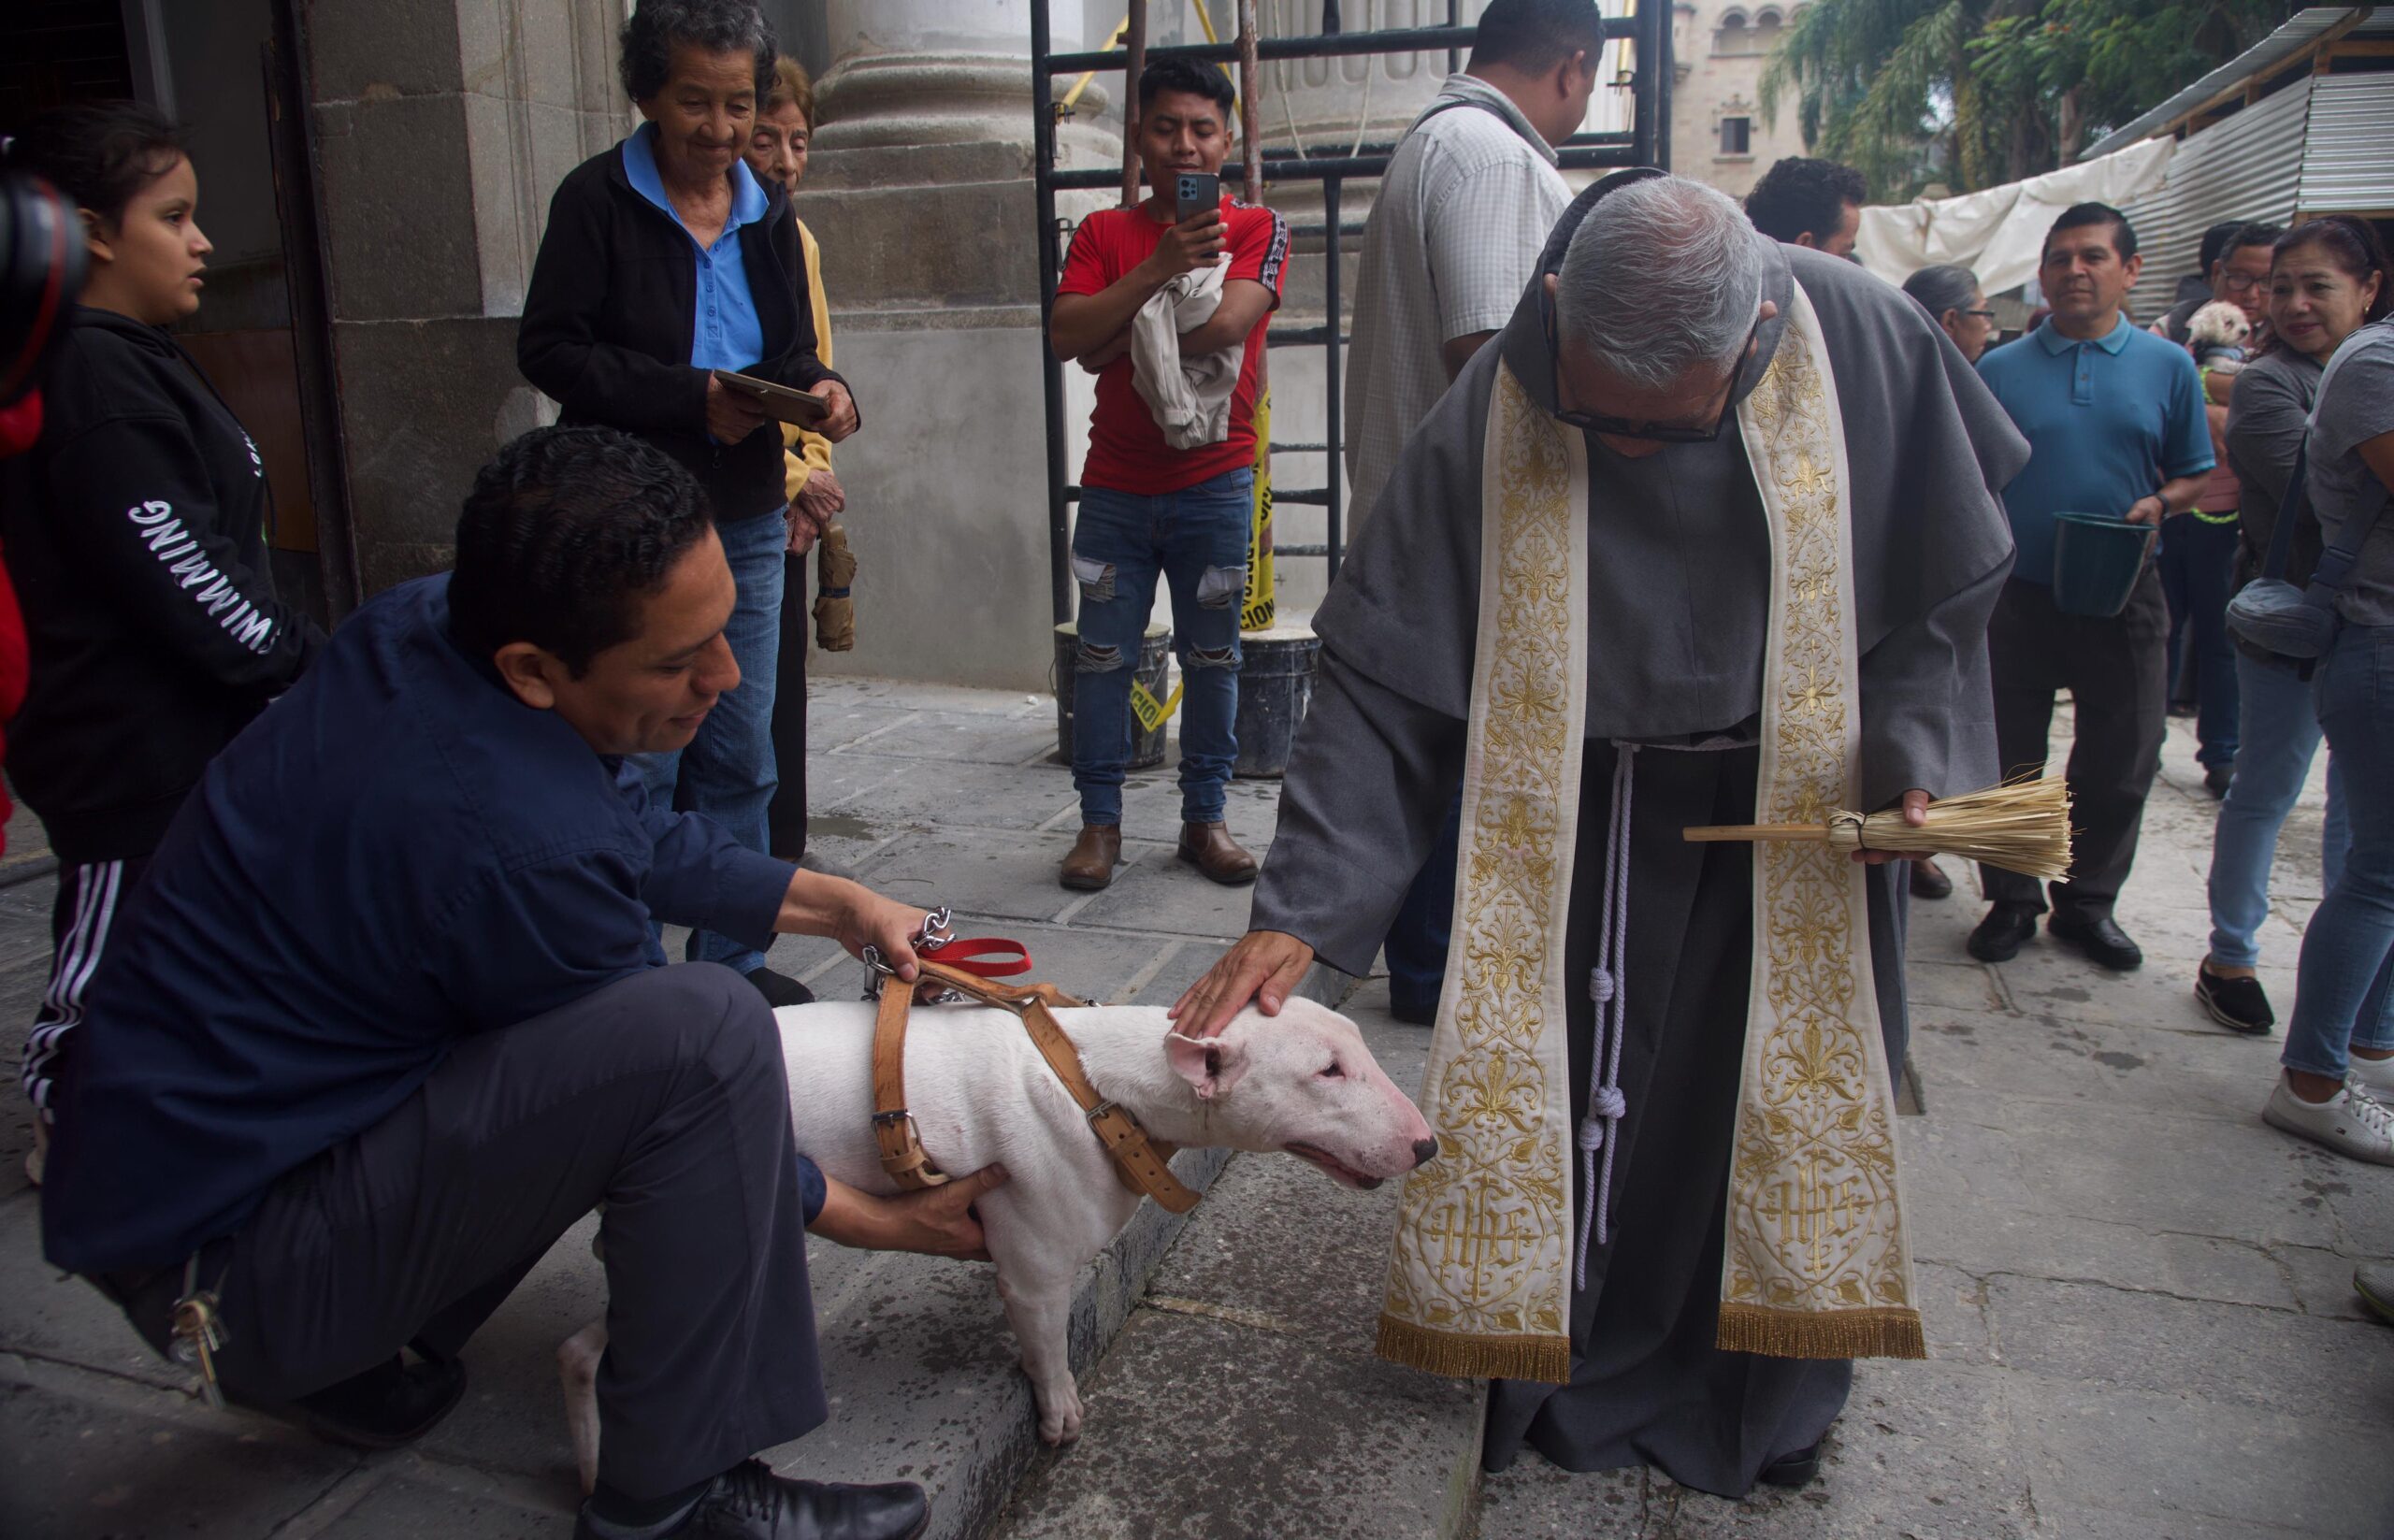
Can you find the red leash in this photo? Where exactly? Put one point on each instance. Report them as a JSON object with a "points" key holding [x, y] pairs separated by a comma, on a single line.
{"points": [[984, 957]]}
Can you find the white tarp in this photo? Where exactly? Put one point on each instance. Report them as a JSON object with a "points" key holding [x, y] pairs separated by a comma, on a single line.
{"points": [[1999, 232]]}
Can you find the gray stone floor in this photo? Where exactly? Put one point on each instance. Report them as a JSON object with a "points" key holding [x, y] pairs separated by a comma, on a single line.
{"points": [[2138, 1294]]}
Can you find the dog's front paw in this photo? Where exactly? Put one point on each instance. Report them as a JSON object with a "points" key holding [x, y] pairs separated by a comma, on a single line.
{"points": [[1059, 1417]]}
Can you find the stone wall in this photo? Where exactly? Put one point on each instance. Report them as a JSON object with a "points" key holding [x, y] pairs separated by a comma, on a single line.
{"points": [[441, 128], [1719, 48]]}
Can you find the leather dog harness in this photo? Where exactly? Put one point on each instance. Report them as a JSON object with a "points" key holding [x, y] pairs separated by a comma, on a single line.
{"points": [[1141, 1164]]}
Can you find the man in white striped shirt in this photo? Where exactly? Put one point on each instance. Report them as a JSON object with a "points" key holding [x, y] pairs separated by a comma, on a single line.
{"points": [[1452, 240], [1459, 222]]}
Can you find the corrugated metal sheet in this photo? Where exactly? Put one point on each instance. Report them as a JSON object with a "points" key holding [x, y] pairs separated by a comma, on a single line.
{"points": [[2348, 158], [2283, 44], [2246, 166]]}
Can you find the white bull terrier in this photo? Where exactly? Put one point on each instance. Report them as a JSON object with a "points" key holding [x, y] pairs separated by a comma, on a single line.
{"points": [[1302, 1082]]}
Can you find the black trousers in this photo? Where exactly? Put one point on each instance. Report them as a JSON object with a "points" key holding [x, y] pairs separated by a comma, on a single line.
{"points": [[662, 1096], [786, 818], [2116, 672]]}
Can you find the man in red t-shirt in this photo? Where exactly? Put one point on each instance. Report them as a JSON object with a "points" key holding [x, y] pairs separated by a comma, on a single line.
{"points": [[1148, 508]]}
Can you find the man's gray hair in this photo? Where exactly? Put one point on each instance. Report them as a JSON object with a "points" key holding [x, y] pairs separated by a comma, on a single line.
{"points": [[1663, 276]]}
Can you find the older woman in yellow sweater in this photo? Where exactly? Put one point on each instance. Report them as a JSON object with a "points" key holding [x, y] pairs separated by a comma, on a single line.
{"points": [[785, 127]]}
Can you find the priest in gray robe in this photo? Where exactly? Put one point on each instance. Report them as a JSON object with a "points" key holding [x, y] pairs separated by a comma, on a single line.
{"points": [[1677, 607]]}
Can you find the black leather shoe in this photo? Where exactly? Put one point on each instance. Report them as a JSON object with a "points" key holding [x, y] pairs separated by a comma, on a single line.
{"points": [[389, 1405], [1928, 881], [2099, 936], [1793, 1470], [780, 989], [750, 1503], [2006, 929]]}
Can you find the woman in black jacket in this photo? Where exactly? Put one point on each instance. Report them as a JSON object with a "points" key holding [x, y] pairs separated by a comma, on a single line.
{"points": [[665, 260], [135, 536]]}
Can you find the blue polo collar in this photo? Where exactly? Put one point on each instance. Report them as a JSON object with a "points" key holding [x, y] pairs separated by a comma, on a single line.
{"points": [[748, 198], [2110, 341]]}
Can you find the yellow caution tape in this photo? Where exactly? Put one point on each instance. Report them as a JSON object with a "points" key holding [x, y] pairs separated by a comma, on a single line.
{"points": [[1150, 711], [1256, 613]]}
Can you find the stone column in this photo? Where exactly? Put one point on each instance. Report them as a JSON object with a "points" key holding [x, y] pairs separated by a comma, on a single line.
{"points": [[919, 190], [441, 128]]}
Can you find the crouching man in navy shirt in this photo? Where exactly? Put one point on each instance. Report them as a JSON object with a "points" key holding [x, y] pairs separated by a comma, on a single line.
{"points": [[388, 1015]]}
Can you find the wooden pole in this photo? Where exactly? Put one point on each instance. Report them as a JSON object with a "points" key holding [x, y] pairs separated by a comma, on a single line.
{"points": [[1705, 834], [1251, 114], [1137, 43]]}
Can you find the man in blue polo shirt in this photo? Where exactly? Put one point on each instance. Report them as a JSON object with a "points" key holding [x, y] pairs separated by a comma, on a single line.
{"points": [[2113, 416]]}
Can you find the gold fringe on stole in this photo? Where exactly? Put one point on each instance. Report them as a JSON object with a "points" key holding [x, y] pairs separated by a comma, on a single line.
{"points": [[1467, 1356], [1871, 1333]]}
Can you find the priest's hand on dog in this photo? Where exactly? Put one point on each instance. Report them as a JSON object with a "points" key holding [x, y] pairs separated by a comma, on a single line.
{"points": [[937, 1221], [1265, 966], [1915, 814]]}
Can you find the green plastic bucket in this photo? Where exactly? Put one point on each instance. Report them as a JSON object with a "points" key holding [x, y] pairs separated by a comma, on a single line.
{"points": [[2096, 557]]}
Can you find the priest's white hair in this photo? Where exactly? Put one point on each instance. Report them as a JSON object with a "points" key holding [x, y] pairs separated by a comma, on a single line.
{"points": [[1663, 276]]}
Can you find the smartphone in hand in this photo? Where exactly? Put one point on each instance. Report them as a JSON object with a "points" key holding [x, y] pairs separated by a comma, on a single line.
{"points": [[1193, 193]]}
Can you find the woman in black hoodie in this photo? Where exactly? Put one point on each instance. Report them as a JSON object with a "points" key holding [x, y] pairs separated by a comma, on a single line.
{"points": [[135, 535]]}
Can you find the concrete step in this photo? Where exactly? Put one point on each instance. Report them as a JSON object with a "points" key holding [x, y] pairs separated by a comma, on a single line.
{"points": [[1243, 1398]]}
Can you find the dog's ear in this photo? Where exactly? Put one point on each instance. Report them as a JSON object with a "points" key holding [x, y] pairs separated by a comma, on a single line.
{"points": [[1211, 1065]]}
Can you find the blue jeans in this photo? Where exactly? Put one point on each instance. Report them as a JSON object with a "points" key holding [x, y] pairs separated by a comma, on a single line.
{"points": [[728, 770], [2345, 993], [2279, 729], [2197, 565], [1196, 538]]}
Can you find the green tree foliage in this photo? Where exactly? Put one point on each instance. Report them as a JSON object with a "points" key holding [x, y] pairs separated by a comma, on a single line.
{"points": [[1975, 92]]}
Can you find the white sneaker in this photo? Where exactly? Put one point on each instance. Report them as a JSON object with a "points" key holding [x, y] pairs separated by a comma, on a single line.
{"points": [[2350, 1122], [2374, 1077]]}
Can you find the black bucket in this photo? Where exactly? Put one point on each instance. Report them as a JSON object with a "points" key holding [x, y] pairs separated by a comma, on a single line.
{"points": [[1155, 670], [1275, 687]]}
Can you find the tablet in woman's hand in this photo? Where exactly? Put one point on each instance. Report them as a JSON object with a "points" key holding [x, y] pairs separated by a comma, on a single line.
{"points": [[778, 402]]}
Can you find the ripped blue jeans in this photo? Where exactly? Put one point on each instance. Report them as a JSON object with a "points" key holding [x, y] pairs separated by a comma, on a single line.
{"points": [[1196, 539]]}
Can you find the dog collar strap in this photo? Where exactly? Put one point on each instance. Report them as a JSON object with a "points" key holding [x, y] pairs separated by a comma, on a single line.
{"points": [[1141, 1164]]}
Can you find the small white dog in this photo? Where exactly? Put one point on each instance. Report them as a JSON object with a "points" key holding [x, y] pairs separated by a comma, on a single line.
{"points": [[2218, 332], [1302, 1082]]}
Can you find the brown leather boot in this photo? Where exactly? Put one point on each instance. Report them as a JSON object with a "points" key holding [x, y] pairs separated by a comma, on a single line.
{"points": [[1095, 854], [1210, 849]]}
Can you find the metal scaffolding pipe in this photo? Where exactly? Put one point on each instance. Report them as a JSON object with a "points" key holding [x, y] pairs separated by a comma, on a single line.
{"points": [[1134, 64], [1318, 46]]}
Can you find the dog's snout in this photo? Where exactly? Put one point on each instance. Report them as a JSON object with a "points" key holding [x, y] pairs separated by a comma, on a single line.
{"points": [[1424, 1149]]}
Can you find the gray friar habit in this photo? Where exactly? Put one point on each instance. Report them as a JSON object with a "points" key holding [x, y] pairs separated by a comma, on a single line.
{"points": [[1624, 1352]]}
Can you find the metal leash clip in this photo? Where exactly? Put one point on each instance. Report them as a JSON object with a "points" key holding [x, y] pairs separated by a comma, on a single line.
{"points": [[937, 929], [198, 1333]]}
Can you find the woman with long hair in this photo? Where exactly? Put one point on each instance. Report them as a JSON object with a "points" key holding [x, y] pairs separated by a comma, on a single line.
{"points": [[135, 537], [2327, 277]]}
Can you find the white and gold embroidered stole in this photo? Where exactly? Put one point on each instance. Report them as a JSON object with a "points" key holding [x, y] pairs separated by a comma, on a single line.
{"points": [[1480, 1283], [1815, 1265]]}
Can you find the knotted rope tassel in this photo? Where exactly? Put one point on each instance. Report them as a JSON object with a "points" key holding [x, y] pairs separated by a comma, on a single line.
{"points": [[1608, 986]]}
